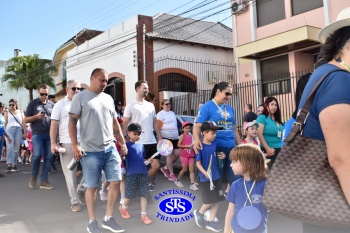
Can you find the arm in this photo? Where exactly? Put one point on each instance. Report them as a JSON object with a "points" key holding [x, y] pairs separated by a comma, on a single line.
{"points": [[53, 135], [117, 131], [237, 136], [201, 169], [7, 136], [72, 128], [197, 145], [269, 151], [6, 116], [38, 116], [23, 125], [229, 215], [125, 124], [156, 128], [179, 144], [336, 131]]}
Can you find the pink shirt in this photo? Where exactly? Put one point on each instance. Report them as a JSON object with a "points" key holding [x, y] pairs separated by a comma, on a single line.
{"points": [[187, 141]]}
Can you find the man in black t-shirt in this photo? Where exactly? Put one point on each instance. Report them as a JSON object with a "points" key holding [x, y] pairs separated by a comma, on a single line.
{"points": [[249, 115]]}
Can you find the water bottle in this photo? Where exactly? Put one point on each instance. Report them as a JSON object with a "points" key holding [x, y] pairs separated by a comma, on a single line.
{"points": [[72, 164]]}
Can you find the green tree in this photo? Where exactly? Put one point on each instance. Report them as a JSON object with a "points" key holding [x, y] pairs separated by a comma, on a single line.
{"points": [[29, 72]]}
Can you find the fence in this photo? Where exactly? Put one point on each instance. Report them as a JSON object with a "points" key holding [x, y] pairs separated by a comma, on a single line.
{"points": [[253, 92]]}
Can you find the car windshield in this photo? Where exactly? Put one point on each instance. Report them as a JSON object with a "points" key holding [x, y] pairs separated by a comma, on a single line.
{"points": [[188, 118]]}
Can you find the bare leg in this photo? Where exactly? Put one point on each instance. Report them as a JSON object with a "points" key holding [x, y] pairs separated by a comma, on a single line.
{"points": [[213, 211], [90, 197], [204, 208], [191, 167], [171, 159], [182, 172], [143, 204], [122, 187], [152, 172], [112, 197]]}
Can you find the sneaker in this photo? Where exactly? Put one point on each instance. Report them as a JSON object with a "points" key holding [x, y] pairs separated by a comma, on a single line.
{"points": [[214, 226], [75, 207], [124, 212], [27, 162], [20, 160], [199, 218], [145, 219], [112, 225], [8, 170], [46, 185], [14, 169], [193, 187], [32, 182], [103, 195], [179, 184], [93, 227], [165, 172], [172, 177], [151, 188], [54, 168]]}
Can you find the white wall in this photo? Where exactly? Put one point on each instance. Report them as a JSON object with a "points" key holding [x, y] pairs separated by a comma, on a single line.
{"points": [[112, 51]]}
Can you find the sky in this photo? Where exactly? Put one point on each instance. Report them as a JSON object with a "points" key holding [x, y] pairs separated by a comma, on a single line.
{"points": [[41, 26]]}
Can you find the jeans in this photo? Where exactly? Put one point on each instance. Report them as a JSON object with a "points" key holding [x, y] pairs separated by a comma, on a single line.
{"points": [[226, 162], [15, 133], [41, 144]]}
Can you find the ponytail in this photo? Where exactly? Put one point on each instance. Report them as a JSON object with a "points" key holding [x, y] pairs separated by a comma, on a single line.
{"points": [[221, 86]]}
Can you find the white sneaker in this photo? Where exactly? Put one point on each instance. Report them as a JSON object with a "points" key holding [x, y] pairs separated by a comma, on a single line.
{"points": [[193, 187], [179, 184], [103, 195]]}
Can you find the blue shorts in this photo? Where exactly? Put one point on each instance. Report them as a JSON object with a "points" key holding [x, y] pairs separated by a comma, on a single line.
{"points": [[94, 162]]}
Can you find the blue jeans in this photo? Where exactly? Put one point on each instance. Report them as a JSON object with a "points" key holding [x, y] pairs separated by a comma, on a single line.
{"points": [[15, 133], [231, 177], [41, 144], [94, 163]]}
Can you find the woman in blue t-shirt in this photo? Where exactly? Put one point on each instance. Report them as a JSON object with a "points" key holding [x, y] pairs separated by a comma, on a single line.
{"points": [[270, 129], [218, 111]]}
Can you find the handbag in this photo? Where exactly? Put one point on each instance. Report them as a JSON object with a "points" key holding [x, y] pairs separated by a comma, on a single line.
{"points": [[301, 184]]}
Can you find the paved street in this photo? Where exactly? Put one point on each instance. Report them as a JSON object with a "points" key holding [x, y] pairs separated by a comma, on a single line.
{"points": [[25, 210]]}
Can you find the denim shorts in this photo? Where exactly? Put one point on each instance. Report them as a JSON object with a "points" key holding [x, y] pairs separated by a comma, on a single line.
{"points": [[94, 163]]}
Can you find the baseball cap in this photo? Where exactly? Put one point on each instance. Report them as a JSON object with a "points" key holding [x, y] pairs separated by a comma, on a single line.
{"points": [[135, 127], [186, 123], [249, 124], [209, 125]]}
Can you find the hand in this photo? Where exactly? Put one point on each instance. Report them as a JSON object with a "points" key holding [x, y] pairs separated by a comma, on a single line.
{"points": [[150, 160], [123, 149], [54, 148], [206, 175], [24, 136], [197, 145], [160, 137], [221, 155], [77, 152], [270, 151], [9, 140], [40, 116]]}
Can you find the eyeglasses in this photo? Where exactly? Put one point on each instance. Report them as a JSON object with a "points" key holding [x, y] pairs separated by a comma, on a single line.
{"points": [[43, 94], [11, 105], [167, 104], [76, 88], [228, 93]]}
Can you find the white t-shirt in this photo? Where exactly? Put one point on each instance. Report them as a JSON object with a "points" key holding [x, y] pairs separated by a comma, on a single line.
{"points": [[60, 112], [169, 129], [144, 114]]}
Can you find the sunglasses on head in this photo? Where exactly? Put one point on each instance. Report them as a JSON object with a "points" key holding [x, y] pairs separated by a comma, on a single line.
{"points": [[76, 88], [228, 93], [43, 94], [11, 105]]}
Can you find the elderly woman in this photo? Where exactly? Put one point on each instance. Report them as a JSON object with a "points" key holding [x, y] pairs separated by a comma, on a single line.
{"points": [[270, 129], [330, 110], [169, 131], [218, 111]]}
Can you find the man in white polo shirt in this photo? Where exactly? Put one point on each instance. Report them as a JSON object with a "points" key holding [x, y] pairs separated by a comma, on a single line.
{"points": [[59, 126]]}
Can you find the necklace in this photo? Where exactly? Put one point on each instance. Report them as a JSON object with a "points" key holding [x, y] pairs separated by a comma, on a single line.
{"points": [[223, 113]]}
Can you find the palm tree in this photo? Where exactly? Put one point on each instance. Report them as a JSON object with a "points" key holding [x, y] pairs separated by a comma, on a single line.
{"points": [[29, 72]]}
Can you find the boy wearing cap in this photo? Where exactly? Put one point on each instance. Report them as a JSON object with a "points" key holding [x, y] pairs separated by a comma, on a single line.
{"points": [[136, 181], [207, 163]]}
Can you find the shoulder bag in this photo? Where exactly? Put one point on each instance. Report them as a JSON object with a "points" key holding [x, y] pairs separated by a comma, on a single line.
{"points": [[17, 120], [301, 184]]}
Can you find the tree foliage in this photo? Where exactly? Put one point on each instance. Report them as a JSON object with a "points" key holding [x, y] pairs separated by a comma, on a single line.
{"points": [[29, 72]]}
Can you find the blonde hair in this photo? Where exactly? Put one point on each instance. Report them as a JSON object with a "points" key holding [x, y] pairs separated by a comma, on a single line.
{"points": [[252, 160]]}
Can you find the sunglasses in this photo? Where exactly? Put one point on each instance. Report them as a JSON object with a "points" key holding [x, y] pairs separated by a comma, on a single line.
{"points": [[167, 104], [43, 94], [76, 88], [11, 105], [119, 105], [228, 93]]}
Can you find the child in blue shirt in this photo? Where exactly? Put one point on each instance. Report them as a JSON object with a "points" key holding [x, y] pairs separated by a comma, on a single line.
{"points": [[136, 179], [207, 164], [246, 213]]}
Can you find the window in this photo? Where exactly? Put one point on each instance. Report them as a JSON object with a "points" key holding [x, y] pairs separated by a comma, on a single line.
{"points": [[301, 6], [275, 76], [270, 11]]}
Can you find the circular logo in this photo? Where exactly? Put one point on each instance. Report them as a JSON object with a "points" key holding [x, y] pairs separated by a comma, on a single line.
{"points": [[175, 206]]}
